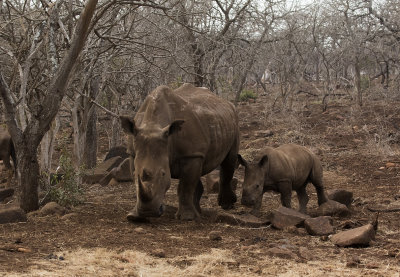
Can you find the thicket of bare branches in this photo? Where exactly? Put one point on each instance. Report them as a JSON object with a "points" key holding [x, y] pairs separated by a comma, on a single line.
{"points": [[227, 45]]}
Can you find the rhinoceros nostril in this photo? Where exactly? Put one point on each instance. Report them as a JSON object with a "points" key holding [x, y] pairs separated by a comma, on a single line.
{"points": [[161, 209], [146, 175]]}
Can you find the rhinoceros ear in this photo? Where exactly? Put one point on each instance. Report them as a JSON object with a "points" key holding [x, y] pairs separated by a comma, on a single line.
{"points": [[241, 160], [128, 125], [174, 127], [263, 161]]}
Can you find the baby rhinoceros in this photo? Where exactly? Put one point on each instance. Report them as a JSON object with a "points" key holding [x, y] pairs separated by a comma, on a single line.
{"points": [[282, 169]]}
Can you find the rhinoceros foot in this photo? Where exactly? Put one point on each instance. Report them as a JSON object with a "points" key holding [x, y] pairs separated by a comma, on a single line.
{"points": [[227, 200], [187, 214]]}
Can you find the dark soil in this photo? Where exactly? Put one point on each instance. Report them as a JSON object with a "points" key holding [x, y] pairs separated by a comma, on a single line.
{"points": [[354, 144]]}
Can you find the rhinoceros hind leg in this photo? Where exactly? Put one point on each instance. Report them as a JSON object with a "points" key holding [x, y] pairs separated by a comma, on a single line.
{"points": [[226, 196], [316, 180], [197, 195], [285, 189], [303, 199]]}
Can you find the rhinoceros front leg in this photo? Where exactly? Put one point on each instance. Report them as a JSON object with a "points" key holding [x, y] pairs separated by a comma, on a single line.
{"points": [[190, 190], [285, 189]]}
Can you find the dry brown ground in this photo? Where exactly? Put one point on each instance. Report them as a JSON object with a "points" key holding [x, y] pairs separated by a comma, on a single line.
{"points": [[354, 145]]}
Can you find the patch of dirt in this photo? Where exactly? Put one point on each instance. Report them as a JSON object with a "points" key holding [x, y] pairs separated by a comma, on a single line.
{"points": [[355, 146]]}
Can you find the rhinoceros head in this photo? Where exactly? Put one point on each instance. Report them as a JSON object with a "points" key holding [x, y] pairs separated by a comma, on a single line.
{"points": [[253, 183], [151, 164]]}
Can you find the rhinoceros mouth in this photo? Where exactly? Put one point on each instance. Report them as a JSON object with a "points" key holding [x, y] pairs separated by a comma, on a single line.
{"points": [[139, 214], [247, 202]]}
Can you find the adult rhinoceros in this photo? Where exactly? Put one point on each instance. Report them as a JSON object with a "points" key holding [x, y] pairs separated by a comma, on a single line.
{"points": [[182, 134]]}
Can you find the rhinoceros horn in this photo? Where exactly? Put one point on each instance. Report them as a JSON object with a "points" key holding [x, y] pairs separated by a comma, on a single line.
{"points": [[145, 193]]}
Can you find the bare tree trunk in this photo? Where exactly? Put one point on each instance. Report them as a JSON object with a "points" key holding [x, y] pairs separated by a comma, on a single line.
{"points": [[47, 146], [387, 73], [90, 149], [28, 176], [78, 123], [357, 81], [116, 133], [90, 152], [317, 70]]}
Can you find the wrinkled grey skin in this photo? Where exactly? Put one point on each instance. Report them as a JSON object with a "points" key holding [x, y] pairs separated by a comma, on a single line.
{"points": [[282, 169], [183, 134], [7, 149]]}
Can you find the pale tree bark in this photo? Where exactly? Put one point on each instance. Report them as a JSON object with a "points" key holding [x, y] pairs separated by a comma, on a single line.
{"points": [[48, 141], [115, 133], [28, 140], [357, 81], [90, 153], [115, 136], [79, 133], [84, 120], [47, 147]]}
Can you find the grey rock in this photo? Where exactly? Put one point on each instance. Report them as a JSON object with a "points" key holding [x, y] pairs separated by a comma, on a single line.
{"points": [[117, 151], [159, 253], [5, 193], [264, 133], [69, 216], [283, 217], [121, 173], [333, 208], [319, 226], [94, 176], [247, 220], [52, 208], [355, 237], [306, 254], [340, 195], [215, 235], [281, 253], [12, 215], [139, 230]]}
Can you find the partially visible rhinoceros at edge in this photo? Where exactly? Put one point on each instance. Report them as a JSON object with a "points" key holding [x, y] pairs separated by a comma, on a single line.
{"points": [[7, 149], [183, 134], [282, 169]]}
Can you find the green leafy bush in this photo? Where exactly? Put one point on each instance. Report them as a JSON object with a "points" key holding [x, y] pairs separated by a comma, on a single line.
{"points": [[65, 188], [245, 95], [365, 82]]}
